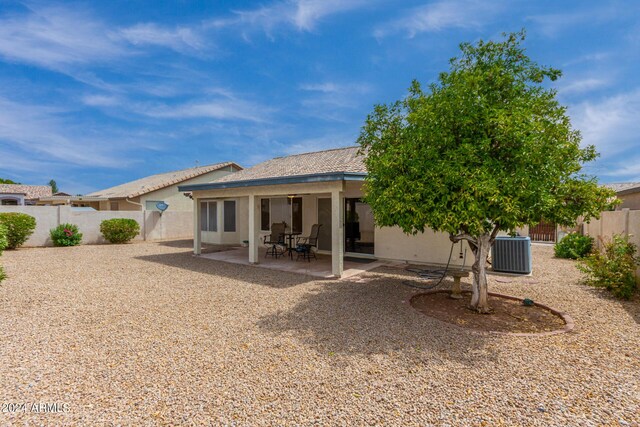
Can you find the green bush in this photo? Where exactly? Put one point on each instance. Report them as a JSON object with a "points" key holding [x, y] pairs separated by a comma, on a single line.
{"points": [[66, 235], [119, 230], [3, 244], [19, 227], [574, 246], [613, 267]]}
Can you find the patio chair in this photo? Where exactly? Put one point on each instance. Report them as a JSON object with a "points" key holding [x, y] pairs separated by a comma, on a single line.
{"points": [[274, 242], [306, 246]]}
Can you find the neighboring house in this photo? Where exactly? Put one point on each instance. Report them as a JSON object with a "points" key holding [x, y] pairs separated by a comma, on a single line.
{"points": [[628, 192], [323, 187], [145, 193], [21, 195], [59, 199]]}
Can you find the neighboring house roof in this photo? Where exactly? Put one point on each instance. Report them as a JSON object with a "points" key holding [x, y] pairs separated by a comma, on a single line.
{"points": [[328, 165], [55, 198], [622, 188], [29, 191], [156, 182]]}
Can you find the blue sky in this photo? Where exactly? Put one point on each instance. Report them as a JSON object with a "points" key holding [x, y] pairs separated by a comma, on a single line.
{"points": [[98, 93]]}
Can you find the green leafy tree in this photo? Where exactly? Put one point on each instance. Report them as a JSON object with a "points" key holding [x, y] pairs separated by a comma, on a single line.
{"points": [[54, 186], [7, 181], [486, 148]]}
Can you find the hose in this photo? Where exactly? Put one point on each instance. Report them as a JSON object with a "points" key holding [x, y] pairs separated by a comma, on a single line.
{"points": [[429, 274]]}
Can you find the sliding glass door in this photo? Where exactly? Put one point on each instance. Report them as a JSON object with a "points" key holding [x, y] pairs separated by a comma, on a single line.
{"points": [[359, 227]]}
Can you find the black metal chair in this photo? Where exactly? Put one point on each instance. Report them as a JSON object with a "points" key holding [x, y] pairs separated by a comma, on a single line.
{"points": [[305, 245], [276, 246]]}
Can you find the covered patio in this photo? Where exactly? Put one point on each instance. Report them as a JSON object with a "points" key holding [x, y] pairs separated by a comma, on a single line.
{"points": [[321, 267], [297, 191]]}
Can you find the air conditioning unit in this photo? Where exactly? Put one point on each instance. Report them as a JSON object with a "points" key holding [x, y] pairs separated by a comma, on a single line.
{"points": [[511, 255]]}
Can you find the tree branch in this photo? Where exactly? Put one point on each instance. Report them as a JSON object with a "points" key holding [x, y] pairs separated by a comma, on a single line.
{"points": [[494, 233], [463, 236]]}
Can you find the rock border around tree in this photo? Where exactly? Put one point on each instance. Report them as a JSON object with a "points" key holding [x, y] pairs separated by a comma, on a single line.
{"points": [[569, 324]]}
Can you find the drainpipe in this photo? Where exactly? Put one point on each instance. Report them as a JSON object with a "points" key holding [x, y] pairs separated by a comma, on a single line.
{"points": [[144, 218]]}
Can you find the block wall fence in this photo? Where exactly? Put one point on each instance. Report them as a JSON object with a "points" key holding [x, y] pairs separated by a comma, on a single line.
{"points": [[153, 226]]}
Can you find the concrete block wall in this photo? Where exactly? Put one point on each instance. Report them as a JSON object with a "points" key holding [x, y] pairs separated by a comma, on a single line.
{"points": [[153, 226]]}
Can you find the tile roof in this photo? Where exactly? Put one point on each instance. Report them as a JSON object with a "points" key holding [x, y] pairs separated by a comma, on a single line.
{"points": [[627, 187], [156, 182], [30, 191], [319, 162]]}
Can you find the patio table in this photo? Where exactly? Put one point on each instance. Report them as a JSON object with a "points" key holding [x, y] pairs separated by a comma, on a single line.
{"points": [[290, 235]]}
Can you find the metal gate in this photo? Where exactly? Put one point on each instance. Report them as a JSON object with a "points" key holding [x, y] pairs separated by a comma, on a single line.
{"points": [[543, 232]]}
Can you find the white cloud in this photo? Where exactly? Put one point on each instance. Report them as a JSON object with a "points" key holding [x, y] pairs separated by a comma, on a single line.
{"points": [[101, 101], [220, 109], [553, 24], [44, 134], [328, 100], [303, 15], [181, 39], [438, 16], [55, 37], [583, 85], [611, 124]]}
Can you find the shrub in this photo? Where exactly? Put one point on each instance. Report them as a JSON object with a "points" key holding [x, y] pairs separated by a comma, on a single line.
{"points": [[3, 237], [119, 230], [66, 235], [3, 245], [613, 267], [574, 246], [19, 227]]}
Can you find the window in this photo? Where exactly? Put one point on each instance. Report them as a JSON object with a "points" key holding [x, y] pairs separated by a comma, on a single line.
{"points": [[230, 216], [264, 215], [114, 206], [209, 216]]}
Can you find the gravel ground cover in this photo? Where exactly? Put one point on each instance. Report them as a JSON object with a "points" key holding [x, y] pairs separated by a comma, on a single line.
{"points": [[147, 334]]}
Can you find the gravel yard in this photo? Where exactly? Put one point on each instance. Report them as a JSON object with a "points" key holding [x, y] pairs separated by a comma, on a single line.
{"points": [[147, 334]]}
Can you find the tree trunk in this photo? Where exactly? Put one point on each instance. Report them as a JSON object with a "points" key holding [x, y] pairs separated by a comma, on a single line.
{"points": [[480, 295]]}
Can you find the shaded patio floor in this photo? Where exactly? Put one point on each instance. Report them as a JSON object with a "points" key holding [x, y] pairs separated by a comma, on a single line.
{"points": [[320, 267]]}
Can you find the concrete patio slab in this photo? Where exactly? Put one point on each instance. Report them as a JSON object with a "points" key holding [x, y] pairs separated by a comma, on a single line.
{"points": [[320, 267]]}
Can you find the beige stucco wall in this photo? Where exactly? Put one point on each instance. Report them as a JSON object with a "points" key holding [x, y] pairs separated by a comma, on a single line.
{"points": [[629, 201], [175, 199], [615, 222], [46, 219], [428, 247], [390, 242], [153, 226], [242, 224]]}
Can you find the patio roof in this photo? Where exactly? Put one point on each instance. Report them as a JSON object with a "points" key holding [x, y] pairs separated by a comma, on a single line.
{"points": [[342, 164]]}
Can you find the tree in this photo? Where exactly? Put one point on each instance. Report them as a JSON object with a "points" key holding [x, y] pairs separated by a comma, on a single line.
{"points": [[7, 181], [486, 148], [54, 186]]}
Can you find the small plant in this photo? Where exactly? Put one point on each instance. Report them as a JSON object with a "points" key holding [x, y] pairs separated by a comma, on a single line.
{"points": [[19, 227], [119, 230], [613, 267], [574, 246], [66, 235], [3, 244]]}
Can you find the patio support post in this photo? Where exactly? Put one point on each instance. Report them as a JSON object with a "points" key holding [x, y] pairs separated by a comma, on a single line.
{"points": [[197, 233], [254, 235], [337, 232]]}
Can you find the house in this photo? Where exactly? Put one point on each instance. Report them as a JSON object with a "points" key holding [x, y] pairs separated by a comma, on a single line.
{"points": [[324, 187], [628, 192], [21, 195], [145, 193], [61, 199]]}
